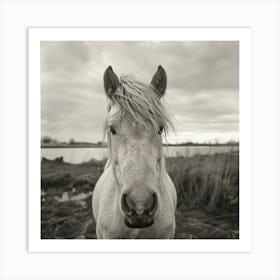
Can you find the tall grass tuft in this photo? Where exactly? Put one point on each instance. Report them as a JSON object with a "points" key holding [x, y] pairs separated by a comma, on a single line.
{"points": [[208, 181]]}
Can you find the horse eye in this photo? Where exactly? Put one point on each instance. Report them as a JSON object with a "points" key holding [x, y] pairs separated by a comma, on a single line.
{"points": [[113, 131], [160, 129]]}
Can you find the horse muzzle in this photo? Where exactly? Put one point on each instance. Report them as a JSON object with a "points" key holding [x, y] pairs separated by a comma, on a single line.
{"points": [[135, 214]]}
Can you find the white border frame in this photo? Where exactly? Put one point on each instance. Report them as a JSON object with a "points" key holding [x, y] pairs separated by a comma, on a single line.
{"points": [[243, 35]]}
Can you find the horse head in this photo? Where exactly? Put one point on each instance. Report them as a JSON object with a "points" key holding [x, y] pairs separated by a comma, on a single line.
{"points": [[134, 125]]}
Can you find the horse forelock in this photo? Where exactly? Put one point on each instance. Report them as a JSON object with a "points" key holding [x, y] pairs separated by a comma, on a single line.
{"points": [[139, 102]]}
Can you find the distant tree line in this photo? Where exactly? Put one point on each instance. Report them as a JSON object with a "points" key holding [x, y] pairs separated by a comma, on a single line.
{"points": [[216, 143], [49, 141]]}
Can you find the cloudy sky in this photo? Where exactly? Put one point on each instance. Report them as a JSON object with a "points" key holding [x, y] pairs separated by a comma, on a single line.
{"points": [[202, 90]]}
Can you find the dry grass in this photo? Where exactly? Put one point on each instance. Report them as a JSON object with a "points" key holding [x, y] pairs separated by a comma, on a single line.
{"points": [[207, 188], [210, 181], [208, 195]]}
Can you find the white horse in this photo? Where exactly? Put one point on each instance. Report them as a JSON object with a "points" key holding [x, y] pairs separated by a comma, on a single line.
{"points": [[135, 197]]}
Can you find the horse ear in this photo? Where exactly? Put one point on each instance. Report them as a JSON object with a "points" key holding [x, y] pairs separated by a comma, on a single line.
{"points": [[159, 81], [111, 82]]}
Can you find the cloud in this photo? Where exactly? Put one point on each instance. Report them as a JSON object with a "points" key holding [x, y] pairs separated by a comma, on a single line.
{"points": [[202, 94]]}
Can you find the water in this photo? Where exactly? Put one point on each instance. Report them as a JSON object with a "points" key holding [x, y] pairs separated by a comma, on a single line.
{"points": [[78, 155]]}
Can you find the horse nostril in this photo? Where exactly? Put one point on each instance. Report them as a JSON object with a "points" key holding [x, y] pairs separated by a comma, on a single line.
{"points": [[154, 205], [124, 205]]}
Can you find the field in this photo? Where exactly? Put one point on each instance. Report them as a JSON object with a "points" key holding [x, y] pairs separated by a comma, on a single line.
{"points": [[207, 188]]}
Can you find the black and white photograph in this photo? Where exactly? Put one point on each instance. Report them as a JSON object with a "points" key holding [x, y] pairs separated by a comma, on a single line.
{"points": [[139, 139]]}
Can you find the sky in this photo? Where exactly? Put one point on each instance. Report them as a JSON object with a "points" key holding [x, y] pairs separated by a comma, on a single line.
{"points": [[202, 93]]}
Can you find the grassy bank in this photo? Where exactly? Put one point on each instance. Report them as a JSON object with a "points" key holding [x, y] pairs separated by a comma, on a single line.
{"points": [[207, 188]]}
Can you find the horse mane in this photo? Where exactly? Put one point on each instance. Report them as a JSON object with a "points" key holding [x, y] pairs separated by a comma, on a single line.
{"points": [[141, 103]]}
